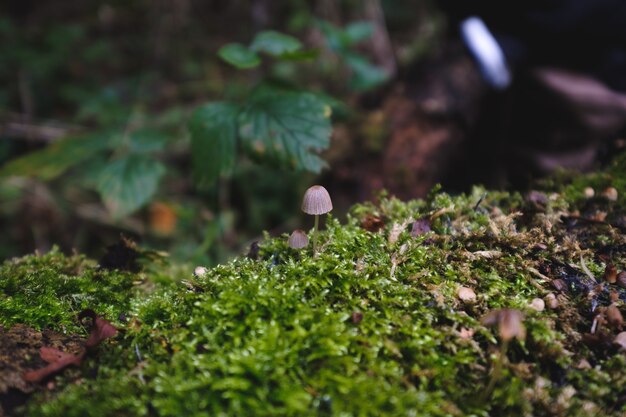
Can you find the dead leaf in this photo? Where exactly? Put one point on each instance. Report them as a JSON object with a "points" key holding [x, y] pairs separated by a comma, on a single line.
{"points": [[58, 360], [372, 223], [100, 329]]}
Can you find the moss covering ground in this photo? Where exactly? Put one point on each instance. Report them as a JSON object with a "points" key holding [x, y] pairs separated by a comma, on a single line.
{"points": [[371, 326]]}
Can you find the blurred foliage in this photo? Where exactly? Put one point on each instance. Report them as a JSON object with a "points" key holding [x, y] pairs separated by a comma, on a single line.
{"points": [[144, 98], [342, 42]]}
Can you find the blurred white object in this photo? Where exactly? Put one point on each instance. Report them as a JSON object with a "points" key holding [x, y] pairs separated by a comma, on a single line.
{"points": [[487, 52], [200, 271]]}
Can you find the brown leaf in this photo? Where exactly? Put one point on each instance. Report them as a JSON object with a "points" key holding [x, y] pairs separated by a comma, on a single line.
{"points": [[372, 223], [57, 361], [610, 274], [621, 279], [614, 316], [100, 329], [559, 285]]}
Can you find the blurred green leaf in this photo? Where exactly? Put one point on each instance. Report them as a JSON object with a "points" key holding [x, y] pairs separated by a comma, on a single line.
{"points": [[333, 35], [286, 128], [213, 141], [146, 140], [239, 56], [340, 110], [275, 43], [366, 75], [358, 31], [128, 183], [52, 161], [301, 55]]}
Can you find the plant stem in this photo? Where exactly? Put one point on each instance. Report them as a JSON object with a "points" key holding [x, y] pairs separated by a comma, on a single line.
{"points": [[317, 221], [496, 373]]}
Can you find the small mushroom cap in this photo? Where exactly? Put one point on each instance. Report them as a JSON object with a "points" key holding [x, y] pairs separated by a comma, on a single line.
{"points": [[466, 294], [610, 193], [298, 239], [200, 271], [509, 322], [316, 201], [589, 192], [551, 301], [537, 304]]}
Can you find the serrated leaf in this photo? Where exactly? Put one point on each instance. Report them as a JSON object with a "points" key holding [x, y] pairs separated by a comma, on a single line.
{"points": [[52, 161], [239, 56], [213, 141], [286, 128], [275, 43], [128, 183]]}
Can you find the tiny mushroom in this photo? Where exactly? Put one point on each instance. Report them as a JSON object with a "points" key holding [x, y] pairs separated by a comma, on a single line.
{"points": [[298, 239], [610, 193], [316, 201], [610, 274], [551, 301], [614, 316], [509, 322], [200, 271], [466, 294], [537, 304]]}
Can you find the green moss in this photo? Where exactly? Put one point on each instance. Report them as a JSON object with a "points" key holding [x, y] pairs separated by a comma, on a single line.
{"points": [[48, 291], [371, 326]]}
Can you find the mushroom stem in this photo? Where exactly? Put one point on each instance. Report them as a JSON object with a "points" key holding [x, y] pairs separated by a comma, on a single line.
{"points": [[317, 221], [496, 372]]}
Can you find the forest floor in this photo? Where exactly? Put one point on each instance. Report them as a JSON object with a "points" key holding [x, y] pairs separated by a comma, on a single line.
{"points": [[485, 303]]}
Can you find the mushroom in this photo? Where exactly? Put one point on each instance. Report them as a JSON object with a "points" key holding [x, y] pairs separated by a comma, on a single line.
{"points": [[509, 322], [298, 239], [466, 294], [610, 194], [537, 304], [316, 201], [200, 271], [551, 301]]}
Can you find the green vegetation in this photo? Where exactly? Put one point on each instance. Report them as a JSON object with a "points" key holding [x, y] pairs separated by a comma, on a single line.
{"points": [[371, 326]]}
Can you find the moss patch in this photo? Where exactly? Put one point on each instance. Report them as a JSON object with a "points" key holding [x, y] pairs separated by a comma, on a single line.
{"points": [[371, 326]]}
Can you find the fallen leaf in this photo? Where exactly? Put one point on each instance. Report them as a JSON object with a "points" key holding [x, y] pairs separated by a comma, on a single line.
{"points": [[100, 329], [372, 223], [58, 360]]}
